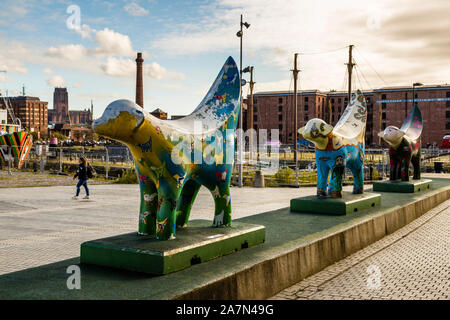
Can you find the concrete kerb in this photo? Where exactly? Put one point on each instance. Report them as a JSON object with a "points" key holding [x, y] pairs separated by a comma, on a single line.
{"points": [[313, 253]]}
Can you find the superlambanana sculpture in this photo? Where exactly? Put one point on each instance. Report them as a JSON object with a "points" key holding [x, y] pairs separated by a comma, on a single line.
{"points": [[404, 146], [339, 147], [173, 158]]}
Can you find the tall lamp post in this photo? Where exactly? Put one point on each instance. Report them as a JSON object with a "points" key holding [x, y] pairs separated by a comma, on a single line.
{"points": [[240, 35], [416, 84], [249, 69]]}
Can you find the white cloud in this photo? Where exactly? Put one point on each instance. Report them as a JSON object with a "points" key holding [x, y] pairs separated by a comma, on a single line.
{"points": [[135, 10], [10, 57], [124, 67], [381, 30], [48, 71], [118, 67], [85, 31], [70, 52], [113, 43], [56, 81]]}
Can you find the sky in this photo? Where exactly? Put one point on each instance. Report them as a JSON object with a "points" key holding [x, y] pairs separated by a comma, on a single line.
{"points": [[90, 46]]}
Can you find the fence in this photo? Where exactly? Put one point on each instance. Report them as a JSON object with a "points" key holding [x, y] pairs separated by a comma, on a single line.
{"points": [[111, 161]]}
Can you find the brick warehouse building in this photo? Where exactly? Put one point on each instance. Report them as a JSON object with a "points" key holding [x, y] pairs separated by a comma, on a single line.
{"points": [[386, 106], [32, 113]]}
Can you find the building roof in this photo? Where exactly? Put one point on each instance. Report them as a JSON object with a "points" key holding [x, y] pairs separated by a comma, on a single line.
{"points": [[158, 110], [24, 98], [341, 92]]}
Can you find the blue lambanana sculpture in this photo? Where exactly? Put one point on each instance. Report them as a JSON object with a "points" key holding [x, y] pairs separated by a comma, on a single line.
{"points": [[339, 147], [173, 159]]}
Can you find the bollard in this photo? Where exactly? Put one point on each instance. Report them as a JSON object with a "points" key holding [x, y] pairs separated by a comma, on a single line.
{"points": [[60, 160], [9, 160], [107, 163]]}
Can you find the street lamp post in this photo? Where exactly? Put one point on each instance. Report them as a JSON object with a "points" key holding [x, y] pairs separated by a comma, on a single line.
{"points": [[416, 84], [240, 35]]}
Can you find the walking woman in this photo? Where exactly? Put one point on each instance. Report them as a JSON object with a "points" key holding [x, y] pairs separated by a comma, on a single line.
{"points": [[84, 172]]}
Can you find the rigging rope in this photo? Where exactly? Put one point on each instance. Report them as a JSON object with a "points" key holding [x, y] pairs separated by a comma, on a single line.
{"points": [[370, 65]]}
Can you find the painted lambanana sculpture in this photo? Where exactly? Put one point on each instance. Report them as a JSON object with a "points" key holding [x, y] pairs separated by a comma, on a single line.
{"points": [[404, 146], [339, 147], [173, 158]]}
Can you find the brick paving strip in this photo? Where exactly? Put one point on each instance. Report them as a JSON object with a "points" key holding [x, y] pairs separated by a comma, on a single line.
{"points": [[413, 263]]}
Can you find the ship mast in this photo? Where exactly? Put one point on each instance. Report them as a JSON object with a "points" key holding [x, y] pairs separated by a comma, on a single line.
{"points": [[350, 65]]}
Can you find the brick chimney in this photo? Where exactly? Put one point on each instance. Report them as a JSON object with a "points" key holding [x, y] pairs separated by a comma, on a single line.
{"points": [[139, 81]]}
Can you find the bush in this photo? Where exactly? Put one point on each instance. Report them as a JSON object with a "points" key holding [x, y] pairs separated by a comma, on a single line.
{"points": [[127, 177], [285, 175]]}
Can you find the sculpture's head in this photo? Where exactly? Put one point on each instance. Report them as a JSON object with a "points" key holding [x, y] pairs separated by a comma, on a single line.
{"points": [[317, 131], [392, 135], [120, 120]]}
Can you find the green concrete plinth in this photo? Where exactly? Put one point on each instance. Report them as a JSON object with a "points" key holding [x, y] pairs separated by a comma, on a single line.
{"points": [[403, 186], [349, 203], [195, 244]]}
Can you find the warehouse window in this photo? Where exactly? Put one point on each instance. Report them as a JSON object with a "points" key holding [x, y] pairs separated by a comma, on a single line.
{"points": [[280, 117], [306, 117], [447, 126], [280, 127], [383, 106], [280, 108], [255, 118], [280, 100], [447, 114], [383, 116], [306, 107], [306, 99], [448, 94]]}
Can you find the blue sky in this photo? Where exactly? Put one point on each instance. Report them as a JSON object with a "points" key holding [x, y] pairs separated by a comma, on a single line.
{"points": [[186, 42]]}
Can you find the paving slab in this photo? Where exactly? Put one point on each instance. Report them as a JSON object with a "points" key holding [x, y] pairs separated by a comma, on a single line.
{"points": [[231, 276]]}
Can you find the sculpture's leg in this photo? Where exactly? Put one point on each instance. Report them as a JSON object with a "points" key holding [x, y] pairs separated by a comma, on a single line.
{"points": [[416, 164], [335, 185], [148, 207], [166, 215], [185, 202], [322, 176], [358, 177], [393, 168], [405, 169], [222, 202]]}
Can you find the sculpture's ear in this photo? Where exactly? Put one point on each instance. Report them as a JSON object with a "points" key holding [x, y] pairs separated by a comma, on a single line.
{"points": [[381, 134], [327, 129], [301, 130]]}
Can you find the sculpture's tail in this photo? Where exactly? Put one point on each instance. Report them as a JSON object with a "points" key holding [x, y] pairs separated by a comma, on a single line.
{"points": [[220, 106], [352, 124], [412, 127]]}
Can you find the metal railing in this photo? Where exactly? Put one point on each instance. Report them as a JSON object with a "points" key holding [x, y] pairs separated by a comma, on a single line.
{"points": [[111, 161]]}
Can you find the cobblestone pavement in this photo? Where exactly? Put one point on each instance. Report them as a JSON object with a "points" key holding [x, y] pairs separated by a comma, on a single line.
{"points": [[43, 225], [411, 263]]}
